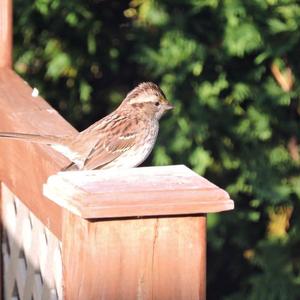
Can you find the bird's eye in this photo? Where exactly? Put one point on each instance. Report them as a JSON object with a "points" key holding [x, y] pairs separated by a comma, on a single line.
{"points": [[157, 103]]}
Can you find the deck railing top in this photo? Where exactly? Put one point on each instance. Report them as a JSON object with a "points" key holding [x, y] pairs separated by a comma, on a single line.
{"points": [[25, 167]]}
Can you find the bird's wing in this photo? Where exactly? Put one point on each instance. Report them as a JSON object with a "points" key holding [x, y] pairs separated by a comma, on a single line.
{"points": [[112, 143]]}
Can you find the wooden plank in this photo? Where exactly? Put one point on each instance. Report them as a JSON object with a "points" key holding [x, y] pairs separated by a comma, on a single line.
{"points": [[19, 94], [134, 259], [25, 167], [6, 33], [148, 191]]}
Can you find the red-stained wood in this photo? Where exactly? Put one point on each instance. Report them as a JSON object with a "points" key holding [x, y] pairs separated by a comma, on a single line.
{"points": [[151, 258], [6, 29], [5, 61], [25, 167], [148, 191]]}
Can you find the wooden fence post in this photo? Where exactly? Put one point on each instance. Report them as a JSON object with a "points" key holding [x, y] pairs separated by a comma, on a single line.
{"points": [[135, 234], [6, 32], [146, 258]]}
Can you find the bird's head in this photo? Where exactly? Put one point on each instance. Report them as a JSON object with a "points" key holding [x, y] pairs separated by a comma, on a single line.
{"points": [[149, 98]]}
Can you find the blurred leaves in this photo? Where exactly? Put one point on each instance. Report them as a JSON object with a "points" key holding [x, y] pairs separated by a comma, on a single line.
{"points": [[232, 70]]}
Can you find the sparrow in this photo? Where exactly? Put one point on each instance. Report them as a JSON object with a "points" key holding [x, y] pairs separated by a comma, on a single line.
{"points": [[122, 139]]}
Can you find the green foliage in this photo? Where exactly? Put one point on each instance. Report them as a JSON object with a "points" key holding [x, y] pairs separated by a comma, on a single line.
{"points": [[232, 70]]}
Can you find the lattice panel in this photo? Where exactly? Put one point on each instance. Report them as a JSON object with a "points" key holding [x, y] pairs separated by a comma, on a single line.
{"points": [[31, 253]]}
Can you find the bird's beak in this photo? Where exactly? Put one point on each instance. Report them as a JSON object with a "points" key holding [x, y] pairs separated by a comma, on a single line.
{"points": [[168, 105]]}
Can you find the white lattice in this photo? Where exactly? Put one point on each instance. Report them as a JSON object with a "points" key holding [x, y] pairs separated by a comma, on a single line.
{"points": [[31, 253]]}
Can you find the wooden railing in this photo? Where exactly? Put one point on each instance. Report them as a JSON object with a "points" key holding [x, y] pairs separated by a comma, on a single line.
{"points": [[130, 234]]}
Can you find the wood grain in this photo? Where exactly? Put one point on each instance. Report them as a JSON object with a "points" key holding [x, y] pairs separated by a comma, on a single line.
{"points": [[6, 29], [151, 258], [25, 167], [148, 191]]}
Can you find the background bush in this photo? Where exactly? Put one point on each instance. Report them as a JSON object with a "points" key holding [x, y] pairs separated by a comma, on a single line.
{"points": [[232, 70]]}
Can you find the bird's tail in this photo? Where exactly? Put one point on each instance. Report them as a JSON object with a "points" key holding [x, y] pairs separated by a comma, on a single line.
{"points": [[58, 143], [34, 138]]}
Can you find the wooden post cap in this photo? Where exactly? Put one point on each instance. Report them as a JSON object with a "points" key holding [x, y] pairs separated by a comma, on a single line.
{"points": [[144, 191]]}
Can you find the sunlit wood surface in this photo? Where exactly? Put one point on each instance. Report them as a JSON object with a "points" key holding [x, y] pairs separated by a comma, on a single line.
{"points": [[147, 191]]}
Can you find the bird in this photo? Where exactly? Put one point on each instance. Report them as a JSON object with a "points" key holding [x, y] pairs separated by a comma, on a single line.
{"points": [[122, 139]]}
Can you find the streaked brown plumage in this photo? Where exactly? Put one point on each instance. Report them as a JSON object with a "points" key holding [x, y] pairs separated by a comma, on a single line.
{"points": [[122, 139]]}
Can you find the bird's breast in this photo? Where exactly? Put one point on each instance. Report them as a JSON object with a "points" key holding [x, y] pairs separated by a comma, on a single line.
{"points": [[139, 152]]}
